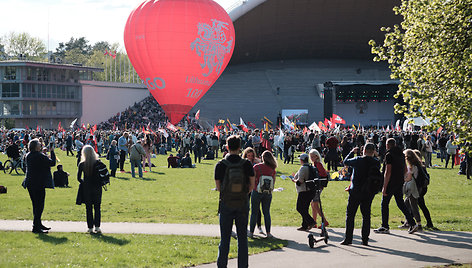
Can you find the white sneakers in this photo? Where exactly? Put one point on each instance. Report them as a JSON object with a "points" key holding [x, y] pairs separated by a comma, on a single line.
{"points": [[97, 230]]}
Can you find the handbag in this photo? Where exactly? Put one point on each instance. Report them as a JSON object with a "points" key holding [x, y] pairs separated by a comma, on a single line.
{"points": [[80, 195]]}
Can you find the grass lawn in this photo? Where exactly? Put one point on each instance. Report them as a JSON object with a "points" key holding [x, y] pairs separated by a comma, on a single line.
{"points": [[116, 250], [187, 196]]}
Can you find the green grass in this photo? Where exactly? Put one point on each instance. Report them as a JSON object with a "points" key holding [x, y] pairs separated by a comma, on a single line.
{"points": [[116, 250], [187, 196]]}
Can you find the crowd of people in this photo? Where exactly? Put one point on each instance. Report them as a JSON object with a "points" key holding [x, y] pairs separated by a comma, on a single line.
{"points": [[402, 159]]}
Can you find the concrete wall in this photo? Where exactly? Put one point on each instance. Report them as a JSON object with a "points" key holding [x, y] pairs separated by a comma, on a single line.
{"points": [[250, 90], [102, 100]]}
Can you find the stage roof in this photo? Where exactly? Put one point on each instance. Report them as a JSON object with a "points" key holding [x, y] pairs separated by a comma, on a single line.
{"points": [[301, 29]]}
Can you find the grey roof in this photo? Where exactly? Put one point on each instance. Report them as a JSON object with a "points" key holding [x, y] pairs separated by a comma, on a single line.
{"points": [[300, 29]]}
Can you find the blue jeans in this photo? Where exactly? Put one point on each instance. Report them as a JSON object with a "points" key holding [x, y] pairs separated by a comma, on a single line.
{"points": [[227, 215], [136, 163], [442, 153], [256, 200]]}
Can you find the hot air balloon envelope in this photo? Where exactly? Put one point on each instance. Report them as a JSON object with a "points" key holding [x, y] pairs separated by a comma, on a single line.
{"points": [[179, 48]]}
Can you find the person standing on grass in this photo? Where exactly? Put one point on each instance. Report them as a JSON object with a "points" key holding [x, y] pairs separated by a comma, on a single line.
{"points": [[358, 196], [91, 187], [112, 157], [266, 168], [123, 148], [250, 155], [38, 177], [451, 151], [136, 154], [234, 179], [394, 171]]}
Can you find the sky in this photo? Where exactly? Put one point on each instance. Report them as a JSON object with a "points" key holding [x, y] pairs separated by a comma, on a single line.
{"points": [[59, 20]]}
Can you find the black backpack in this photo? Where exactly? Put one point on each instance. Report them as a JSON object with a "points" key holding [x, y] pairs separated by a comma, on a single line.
{"points": [[422, 180], [102, 174], [375, 180], [235, 187], [312, 176]]}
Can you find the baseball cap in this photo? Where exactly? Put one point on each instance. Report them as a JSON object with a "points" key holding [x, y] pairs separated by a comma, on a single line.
{"points": [[303, 157]]}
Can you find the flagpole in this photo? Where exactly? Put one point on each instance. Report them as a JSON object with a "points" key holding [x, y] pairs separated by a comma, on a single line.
{"points": [[115, 66], [106, 63]]}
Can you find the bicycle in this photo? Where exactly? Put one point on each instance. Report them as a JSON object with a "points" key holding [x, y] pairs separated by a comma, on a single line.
{"points": [[15, 164]]}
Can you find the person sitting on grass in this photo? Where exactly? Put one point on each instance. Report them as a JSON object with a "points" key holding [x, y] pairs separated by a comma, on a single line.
{"points": [[173, 161], [61, 178], [186, 162]]}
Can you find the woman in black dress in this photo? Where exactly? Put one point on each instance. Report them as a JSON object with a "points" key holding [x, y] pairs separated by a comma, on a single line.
{"points": [[91, 187]]}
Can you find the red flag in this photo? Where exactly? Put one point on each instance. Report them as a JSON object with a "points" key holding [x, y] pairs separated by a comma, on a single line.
{"points": [[439, 130], [197, 115], [91, 132], [113, 55], [143, 130], [37, 128], [94, 128], [106, 53], [251, 125], [59, 127], [27, 127], [114, 127], [148, 126], [217, 131], [326, 122], [305, 130], [83, 126], [337, 119]]}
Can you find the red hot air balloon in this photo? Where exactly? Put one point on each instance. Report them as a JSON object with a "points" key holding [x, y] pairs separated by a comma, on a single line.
{"points": [[179, 48]]}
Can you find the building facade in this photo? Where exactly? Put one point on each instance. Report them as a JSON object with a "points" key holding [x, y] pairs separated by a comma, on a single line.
{"points": [[36, 94]]}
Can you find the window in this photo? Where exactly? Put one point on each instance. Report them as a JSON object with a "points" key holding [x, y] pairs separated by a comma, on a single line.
{"points": [[10, 73], [10, 90], [29, 108], [11, 108]]}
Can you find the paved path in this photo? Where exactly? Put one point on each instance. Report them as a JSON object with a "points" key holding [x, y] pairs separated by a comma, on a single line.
{"points": [[399, 249]]}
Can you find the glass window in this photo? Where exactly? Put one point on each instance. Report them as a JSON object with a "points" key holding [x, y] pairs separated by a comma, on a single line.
{"points": [[11, 108], [29, 108], [10, 73], [10, 90]]}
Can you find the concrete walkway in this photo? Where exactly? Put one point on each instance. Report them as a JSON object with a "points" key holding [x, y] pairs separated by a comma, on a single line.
{"points": [[398, 249]]}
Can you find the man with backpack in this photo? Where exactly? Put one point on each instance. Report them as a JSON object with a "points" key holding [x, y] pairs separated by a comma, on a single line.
{"points": [[366, 171], [234, 178]]}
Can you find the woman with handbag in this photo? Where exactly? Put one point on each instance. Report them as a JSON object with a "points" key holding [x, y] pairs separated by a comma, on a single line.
{"points": [[91, 187], [410, 188], [113, 156], [262, 192]]}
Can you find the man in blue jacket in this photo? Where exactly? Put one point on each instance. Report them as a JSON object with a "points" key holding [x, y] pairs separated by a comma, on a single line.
{"points": [[357, 195]]}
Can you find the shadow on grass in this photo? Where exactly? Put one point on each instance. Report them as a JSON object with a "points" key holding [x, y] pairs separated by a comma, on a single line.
{"points": [[52, 239], [158, 173], [121, 178], [145, 179], [110, 239]]}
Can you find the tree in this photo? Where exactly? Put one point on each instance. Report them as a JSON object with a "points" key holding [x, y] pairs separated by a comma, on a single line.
{"points": [[430, 53], [31, 48], [80, 45], [101, 46]]}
